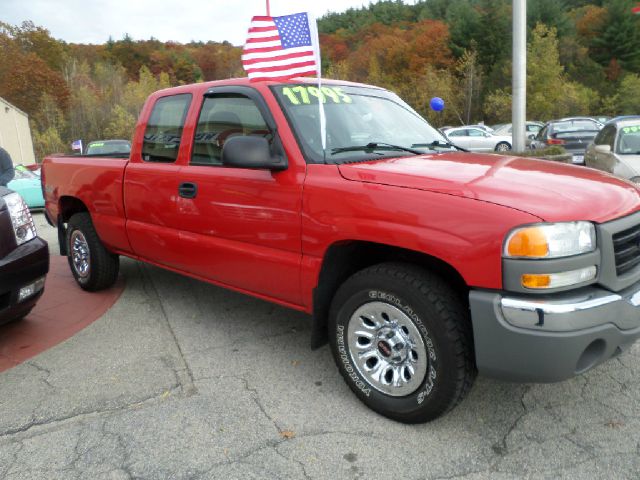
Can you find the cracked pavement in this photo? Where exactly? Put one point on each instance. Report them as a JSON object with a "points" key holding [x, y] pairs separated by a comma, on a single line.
{"points": [[184, 380]]}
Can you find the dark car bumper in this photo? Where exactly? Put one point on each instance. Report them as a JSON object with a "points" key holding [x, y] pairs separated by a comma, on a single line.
{"points": [[20, 269], [524, 339]]}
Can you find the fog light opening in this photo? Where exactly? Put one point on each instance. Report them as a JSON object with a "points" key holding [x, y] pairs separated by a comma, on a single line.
{"points": [[30, 290], [591, 356]]}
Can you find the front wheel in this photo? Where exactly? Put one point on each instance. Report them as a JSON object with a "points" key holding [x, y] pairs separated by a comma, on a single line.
{"points": [[503, 147], [92, 265], [402, 340]]}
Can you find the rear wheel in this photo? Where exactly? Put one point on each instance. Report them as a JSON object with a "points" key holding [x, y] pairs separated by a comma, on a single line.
{"points": [[92, 265], [401, 339], [503, 147]]}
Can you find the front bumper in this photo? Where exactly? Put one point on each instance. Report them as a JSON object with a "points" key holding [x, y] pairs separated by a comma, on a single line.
{"points": [[20, 268], [552, 338]]}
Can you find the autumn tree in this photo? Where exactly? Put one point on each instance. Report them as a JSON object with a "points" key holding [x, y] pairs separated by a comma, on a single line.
{"points": [[25, 76]]}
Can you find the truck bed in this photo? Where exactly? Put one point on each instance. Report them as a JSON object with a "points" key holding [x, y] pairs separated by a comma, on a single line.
{"points": [[98, 184]]}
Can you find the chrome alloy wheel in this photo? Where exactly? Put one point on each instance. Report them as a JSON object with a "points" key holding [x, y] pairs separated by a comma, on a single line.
{"points": [[80, 254], [387, 349]]}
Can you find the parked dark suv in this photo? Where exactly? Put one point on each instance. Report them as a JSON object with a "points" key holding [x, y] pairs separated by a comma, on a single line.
{"points": [[24, 258]]}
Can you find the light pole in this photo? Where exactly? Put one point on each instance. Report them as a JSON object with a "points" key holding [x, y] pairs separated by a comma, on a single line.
{"points": [[519, 75]]}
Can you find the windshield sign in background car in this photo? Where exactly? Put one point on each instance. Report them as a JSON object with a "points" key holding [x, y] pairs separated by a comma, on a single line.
{"points": [[616, 149], [420, 264], [109, 147]]}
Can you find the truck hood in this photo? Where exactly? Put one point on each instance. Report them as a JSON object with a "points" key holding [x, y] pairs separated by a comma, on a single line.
{"points": [[549, 190]]}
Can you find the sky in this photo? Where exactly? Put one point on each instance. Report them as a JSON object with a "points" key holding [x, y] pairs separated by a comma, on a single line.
{"points": [[94, 21]]}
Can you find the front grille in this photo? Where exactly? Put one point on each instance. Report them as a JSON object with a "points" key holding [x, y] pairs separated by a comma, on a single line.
{"points": [[626, 247]]}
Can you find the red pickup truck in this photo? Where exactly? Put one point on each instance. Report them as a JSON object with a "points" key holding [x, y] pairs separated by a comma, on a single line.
{"points": [[421, 264]]}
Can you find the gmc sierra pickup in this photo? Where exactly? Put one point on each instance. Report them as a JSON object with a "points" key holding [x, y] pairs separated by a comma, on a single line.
{"points": [[419, 263]]}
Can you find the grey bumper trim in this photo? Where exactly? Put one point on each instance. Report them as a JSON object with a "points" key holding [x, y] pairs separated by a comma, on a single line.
{"points": [[572, 311], [579, 331]]}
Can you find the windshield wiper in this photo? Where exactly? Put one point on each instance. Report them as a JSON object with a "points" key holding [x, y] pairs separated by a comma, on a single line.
{"points": [[439, 143], [375, 146]]}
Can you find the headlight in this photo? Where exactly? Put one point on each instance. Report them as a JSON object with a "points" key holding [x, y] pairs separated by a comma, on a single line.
{"points": [[551, 240], [23, 226]]}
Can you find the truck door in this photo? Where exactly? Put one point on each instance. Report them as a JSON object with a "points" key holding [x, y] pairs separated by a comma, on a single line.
{"points": [[241, 227], [151, 183]]}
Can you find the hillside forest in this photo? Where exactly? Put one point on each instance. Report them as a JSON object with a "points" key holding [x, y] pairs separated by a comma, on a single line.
{"points": [[583, 58]]}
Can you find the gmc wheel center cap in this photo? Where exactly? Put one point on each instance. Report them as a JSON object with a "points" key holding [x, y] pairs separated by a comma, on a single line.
{"points": [[384, 348]]}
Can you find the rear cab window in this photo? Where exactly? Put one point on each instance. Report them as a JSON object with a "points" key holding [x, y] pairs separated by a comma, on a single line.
{"points": [[163, 134]]}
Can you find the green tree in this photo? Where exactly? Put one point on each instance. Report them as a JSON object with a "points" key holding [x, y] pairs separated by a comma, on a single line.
{"points": [[47, 142], [619, 37], [627, 100], [549, 92], [121, 125], [470, 85]]}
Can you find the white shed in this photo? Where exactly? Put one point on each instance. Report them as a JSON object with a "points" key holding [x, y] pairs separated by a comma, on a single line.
{"points": [[15, 133]]}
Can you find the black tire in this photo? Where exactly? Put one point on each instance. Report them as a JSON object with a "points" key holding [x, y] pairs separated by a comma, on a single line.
{"points": [[102, 266], [438, 315], [503, 147]]}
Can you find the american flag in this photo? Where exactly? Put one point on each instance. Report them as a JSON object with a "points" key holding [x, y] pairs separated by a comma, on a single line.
{"points": [[77, 145], [279, 48]]}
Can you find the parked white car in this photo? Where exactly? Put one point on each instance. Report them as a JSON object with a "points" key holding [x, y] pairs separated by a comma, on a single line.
{"points": [[616, 149], [478, 140]]}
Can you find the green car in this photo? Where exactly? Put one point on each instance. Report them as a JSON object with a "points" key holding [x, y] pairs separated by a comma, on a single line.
{"points": [[27, 184]]}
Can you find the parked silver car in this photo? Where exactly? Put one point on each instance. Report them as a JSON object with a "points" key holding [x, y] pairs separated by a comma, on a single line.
{"points": [[478, 140], [532, 128], [616, 149]]}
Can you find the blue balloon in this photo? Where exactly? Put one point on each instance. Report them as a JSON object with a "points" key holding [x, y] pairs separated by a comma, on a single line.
{"points": [[437, 104]]}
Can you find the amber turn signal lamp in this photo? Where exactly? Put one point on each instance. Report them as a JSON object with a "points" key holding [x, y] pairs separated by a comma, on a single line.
{"points": [[536, 281], [528, 242]]}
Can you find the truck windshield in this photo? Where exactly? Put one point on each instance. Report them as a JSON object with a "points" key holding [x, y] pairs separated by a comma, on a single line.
{"points": [[362, 123]]}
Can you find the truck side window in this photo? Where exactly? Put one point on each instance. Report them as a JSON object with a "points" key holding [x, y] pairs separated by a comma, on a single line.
{"points": [[164, 129], [222, 117]]}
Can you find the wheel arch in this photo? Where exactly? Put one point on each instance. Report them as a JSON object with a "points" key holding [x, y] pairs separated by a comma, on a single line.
{"points": [[343, 259], [67, 206]]}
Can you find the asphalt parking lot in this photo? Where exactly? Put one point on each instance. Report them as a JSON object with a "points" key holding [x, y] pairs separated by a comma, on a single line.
{"points": [[184, 380]]}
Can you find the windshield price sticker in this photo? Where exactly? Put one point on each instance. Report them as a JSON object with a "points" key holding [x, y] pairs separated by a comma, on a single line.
{"points": [[633, 129], [302, 95]]}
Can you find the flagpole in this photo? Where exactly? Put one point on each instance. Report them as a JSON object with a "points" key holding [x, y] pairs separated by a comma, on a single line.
{"points": [[313, 29], [268, 9]]}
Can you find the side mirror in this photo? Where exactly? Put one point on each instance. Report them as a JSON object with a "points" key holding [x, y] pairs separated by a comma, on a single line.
{"points": [[603, 148], [531, 136], [250, 152]]}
